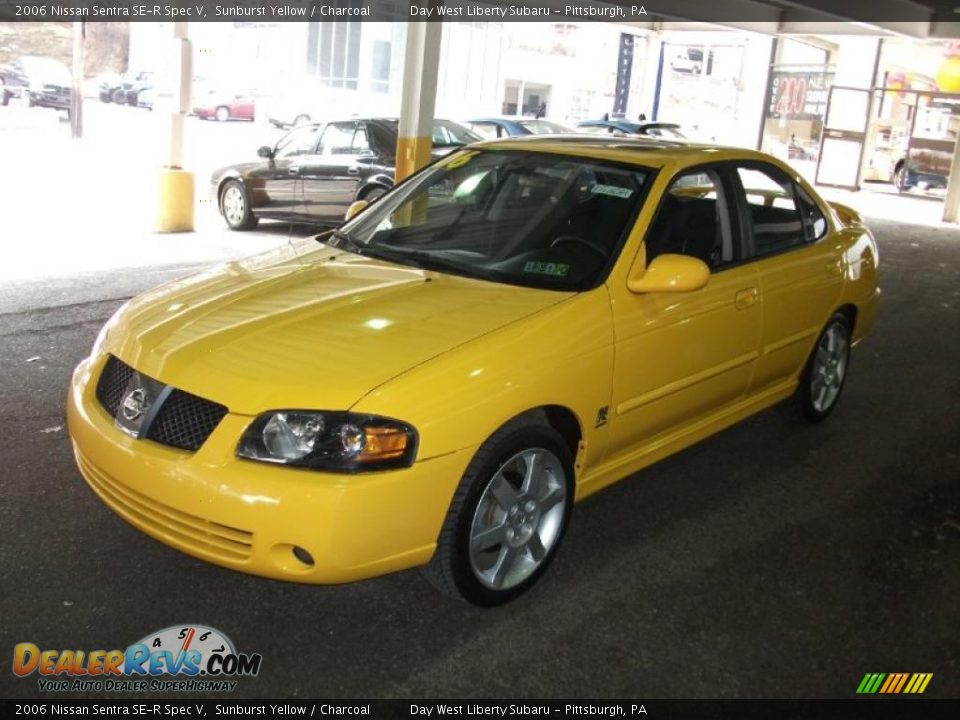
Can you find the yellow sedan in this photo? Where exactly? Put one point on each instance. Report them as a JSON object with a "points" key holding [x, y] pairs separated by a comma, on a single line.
{"points": [[437, 382]]}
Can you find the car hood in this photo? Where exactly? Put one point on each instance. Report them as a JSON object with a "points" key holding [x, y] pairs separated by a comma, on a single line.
{"points": [[316, 328]]}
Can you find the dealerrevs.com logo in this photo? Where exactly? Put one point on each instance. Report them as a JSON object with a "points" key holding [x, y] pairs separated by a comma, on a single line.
{"points": [[177, 658]]}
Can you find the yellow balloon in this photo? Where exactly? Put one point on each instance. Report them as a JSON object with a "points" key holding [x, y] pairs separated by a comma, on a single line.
{"points": [[948, 76]]}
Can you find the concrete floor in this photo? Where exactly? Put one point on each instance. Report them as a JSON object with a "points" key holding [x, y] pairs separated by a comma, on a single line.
{"points": [[776, 559]]}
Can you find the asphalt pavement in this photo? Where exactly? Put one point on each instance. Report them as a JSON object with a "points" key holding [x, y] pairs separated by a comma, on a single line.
{"points": [[776, 559]]}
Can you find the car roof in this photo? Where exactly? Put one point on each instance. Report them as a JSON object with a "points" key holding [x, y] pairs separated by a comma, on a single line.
{"points": [[494, 119], [639, 151]]}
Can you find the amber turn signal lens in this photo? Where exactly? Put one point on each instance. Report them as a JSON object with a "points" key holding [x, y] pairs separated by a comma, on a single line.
{"points": [[383, 443]]}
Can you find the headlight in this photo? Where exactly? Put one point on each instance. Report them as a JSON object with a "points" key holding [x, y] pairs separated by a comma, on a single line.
{"points": [[340, 442]]}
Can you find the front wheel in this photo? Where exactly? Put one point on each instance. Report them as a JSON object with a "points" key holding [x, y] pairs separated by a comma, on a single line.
{"points": [[235, 207], [507, 518], [374, 194], [826, 371]]}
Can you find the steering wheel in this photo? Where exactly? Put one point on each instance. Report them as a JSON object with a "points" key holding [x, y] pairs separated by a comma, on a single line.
{"points": [[581, 241]]}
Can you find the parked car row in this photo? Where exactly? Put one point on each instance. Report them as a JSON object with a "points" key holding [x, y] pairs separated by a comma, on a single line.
{"points": [[317, 170], [41, 81], [125, 89]]}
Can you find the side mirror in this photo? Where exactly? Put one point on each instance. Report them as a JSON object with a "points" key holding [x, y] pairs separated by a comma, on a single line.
{"points": [[355, 209], [670, 273], [265, 151]]}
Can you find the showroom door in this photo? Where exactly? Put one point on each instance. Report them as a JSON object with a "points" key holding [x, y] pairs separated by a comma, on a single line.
{"points": [[844, 135]]}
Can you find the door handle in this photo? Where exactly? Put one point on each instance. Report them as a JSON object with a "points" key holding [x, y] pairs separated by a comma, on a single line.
{"points": [[745, 298], [293, 169], [353, 171]]}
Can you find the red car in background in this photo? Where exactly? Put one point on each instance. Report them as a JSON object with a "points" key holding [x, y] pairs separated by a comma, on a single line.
{"points": [[223, 107]]}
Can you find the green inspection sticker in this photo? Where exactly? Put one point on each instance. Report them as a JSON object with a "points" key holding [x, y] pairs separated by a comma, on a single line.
{"points": [[545, 268], [611, 190]]}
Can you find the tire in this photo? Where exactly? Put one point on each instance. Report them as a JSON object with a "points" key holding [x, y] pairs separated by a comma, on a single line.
{"points": [[235, 207], [517, 514], [301, 119], [132, 99], [825, 374], [898, 175], [118, 96], [222, 114], [373, 194], [4, 95]]}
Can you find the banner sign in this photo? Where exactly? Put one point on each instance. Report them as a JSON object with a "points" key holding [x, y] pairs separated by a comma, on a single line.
{"points": [[624, 72]]}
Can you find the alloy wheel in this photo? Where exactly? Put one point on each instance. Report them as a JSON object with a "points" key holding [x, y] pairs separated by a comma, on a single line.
{"points": [[518, 519], [829, 367]]}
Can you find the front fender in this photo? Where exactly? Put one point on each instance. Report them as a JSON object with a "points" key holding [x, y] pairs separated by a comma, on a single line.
{"points": [[562, 355]]}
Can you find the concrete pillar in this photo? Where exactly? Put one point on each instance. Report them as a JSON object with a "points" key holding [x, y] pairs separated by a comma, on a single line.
{"points": [[176, 194], [76, 96], [418, 97], [951, 205], [649, 72]]}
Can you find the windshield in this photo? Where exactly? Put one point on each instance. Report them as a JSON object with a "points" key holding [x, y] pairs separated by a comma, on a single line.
{"points": [[446, 133], [544, 127], [518, 217]]}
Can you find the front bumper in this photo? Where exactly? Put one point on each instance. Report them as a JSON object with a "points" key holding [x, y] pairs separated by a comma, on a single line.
{"points": [[50, 100], [250, 516]]}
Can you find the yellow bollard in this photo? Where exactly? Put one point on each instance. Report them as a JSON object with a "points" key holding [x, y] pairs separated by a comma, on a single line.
{"points": [[174, 201]]}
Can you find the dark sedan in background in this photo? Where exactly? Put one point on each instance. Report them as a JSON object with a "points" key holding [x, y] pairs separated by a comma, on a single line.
{"points": [[500, 127], [316, 171], [642, 128]]}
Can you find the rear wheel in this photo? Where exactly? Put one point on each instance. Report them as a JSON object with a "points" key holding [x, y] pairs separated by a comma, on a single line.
{"points": [[118, 96], [223, 113], [4, 97], [507, 518], [301, 119], [235, 207], [899, 175], [822, 380]]}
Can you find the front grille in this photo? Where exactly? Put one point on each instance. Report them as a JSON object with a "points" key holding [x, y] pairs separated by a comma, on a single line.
{"points": [[113, 381], [185, 421], [182, 421], [182, 529]]}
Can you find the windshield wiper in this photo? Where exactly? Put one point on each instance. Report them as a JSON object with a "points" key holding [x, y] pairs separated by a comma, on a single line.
{"points": [[426, 261]]}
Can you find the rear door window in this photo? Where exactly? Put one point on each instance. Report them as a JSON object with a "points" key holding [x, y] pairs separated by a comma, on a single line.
{"points": [[771, 203]]}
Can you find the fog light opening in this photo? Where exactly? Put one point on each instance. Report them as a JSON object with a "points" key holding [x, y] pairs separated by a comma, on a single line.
{"points": [[303, 556]]}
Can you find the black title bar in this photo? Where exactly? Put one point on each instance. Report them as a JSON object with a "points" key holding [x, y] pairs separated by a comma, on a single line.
{"points": [[766, 15], [187, 707]]}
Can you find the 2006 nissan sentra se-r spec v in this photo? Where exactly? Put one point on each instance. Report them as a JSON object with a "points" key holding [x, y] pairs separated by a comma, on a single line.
{"points": [[512, 329]]}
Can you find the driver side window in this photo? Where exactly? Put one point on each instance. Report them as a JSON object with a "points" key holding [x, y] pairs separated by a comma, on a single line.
{"points": [[694, 220], [299, 142]]}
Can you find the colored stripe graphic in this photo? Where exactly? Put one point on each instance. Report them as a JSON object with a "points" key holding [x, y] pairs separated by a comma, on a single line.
{"points": [[894, 683]]}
